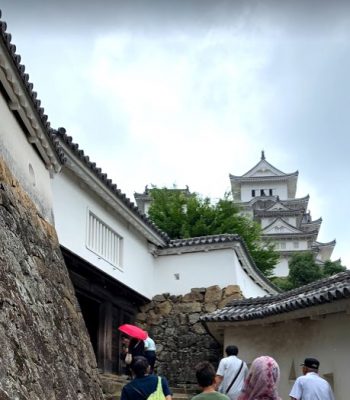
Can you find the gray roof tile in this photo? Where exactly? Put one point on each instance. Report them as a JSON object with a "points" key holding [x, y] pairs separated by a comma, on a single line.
{"points": [[320, 292]]}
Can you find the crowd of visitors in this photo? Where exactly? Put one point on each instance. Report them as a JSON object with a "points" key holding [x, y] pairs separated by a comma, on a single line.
{"points": [[232, 380]]}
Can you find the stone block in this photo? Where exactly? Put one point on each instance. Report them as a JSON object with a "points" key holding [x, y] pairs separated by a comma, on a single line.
{"points": [[210, 307], [198, 329], [227, 300], [149, 306], [193, 318], [153, 318], [141, 317], [188, 307], [213, 294], [231, 290], [164, 308], [159, 297], [193, 296]]}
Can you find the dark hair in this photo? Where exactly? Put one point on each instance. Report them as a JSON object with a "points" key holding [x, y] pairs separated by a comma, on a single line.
{"points": [[205, 374], [231, 350], [140, 366]]}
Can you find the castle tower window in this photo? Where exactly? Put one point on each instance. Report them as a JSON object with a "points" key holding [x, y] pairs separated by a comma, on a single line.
{"points": [[271, 192], [262, 192], [253, 192]]}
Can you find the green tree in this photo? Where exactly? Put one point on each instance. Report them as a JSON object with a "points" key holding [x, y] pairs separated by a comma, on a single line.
{"points": [[303, 269], [182, 215], [332, 267], [282, 282]]}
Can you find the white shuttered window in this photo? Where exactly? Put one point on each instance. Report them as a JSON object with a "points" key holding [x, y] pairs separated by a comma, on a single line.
{"points": [[104, 241]]}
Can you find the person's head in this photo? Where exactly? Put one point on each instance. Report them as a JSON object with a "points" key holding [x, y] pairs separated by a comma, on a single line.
{"points": [[310, 365], [231, 350], [262, 379], [205, 374], [140, 366], [125, 340]]}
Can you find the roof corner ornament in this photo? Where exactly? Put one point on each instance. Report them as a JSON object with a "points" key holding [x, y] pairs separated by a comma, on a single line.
{"points": [[262, 154]]}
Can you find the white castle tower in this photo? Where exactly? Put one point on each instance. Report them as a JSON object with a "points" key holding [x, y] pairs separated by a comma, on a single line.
{"points": [[267, 195]]}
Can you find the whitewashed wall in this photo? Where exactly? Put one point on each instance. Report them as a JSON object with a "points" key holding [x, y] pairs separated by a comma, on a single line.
{"points": [[291, 341], [24, 162], [281, 268], [71, 204], [203, 269], [281, 189]]}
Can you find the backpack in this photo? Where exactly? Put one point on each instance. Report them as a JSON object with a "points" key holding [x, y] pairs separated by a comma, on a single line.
{"points": [[128, 359], [158, 394]]}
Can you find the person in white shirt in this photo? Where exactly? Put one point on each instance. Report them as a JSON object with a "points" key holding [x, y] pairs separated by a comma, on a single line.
{"points": [[150, 352], [231, 373], [311, 386]]}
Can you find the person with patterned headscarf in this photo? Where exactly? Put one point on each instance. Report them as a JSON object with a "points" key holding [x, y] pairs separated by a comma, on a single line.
{"points": [[262, 380]]}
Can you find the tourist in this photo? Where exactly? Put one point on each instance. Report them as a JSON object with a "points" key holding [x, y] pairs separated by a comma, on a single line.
{"points": [[150, 352], [262, 380], [144, 384], [311, 386], [231, 373], [136, 347], [125, 342], [205, 374]]}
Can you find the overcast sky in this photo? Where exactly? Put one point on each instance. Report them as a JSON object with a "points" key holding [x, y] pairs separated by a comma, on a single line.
{"points": [[185, 92]]}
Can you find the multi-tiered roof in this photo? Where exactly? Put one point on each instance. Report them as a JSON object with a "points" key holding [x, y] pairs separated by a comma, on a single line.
{"points": [[268, 195]]}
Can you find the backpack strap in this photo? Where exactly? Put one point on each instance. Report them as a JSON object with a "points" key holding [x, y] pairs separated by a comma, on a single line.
{"points": [[138, 391], [235, 378], [159, 388]]}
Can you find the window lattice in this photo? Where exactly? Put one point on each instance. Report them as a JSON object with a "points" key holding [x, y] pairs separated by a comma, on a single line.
{"points": [[103, 240]]}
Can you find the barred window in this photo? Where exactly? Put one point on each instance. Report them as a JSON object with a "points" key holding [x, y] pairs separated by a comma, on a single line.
{"points": [[104, 241]]}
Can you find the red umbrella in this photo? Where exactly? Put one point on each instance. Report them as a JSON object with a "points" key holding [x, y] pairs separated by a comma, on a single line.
{"points": [[133, 331]]}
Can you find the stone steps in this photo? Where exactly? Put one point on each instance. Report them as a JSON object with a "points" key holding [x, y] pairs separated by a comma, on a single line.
{"points": [[112, 386]]}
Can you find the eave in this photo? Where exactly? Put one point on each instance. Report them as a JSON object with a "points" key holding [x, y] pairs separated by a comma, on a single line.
{"points": [[23, 102]]}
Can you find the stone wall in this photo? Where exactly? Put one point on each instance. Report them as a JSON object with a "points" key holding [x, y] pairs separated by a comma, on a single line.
{"points": [[182, 342], [45, 348]]}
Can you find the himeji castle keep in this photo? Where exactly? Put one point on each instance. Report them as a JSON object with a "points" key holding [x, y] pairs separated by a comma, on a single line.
{"points": [[267, 195]]}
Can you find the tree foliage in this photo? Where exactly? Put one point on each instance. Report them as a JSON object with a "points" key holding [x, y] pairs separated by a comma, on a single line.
{"points": [[182, 215], [303, 269]]}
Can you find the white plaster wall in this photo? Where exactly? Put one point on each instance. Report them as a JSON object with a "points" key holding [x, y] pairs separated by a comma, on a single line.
{"points": [[281, 268], [18, 154], [203, 269], [281, 189], [291, 341], [71, 204], [291, 245]]}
